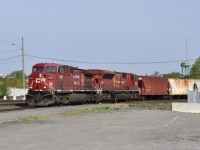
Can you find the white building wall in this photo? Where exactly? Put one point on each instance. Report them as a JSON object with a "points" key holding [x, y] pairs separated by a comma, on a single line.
{"points": [[16, 92]]}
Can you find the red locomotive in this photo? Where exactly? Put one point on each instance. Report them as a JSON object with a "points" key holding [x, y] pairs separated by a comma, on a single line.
{"points": [[51, 83]]}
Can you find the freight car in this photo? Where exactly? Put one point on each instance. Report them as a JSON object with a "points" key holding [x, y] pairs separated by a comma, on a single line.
{"points": [[153, 87], [178, 88], [51, 83]]}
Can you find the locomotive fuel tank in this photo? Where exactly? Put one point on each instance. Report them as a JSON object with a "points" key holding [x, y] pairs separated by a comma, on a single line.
{"points": [[123, 96], [77, 98]]}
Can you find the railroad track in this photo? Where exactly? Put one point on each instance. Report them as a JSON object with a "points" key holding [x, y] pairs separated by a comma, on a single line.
{"points": [[12, 105], [7, 106], [10, 109], [10, 102]]}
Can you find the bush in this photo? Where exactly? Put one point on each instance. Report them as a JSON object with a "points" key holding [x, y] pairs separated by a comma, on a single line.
{"points": [[4, 90]]}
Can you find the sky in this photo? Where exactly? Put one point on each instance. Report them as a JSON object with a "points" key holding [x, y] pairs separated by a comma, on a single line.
{"points": [[116, 35]]}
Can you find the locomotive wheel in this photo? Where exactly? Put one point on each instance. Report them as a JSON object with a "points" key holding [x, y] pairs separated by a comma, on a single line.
{"points": [[142, 98]]}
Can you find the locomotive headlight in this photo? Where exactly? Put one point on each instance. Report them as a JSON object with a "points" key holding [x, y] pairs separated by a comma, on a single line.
{"points": [[31, 87], [44, 87], [40, 75]]}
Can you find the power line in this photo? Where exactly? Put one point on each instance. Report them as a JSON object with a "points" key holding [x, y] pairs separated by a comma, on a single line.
{"points": [[6, 58], [14, 62], [110, 63], [8, 51], [9, 60], [10, 40]]}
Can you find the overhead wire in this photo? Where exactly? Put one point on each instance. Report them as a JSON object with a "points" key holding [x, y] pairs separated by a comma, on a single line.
{"points": [[110, 63], [10, 59], [8, 51], [9, 40], [13, 62], [87, 62], [7, 58]]}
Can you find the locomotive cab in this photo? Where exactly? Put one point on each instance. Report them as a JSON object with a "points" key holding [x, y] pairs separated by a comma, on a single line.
{"points": [[42, 78], [42, 84]]}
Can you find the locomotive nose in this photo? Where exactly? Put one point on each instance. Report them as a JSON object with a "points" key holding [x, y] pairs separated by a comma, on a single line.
{"points": [[37, 82]]}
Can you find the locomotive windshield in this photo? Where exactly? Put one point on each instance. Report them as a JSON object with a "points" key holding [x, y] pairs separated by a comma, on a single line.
{"points": [[50, 69], [46, 69], [38, 69]]}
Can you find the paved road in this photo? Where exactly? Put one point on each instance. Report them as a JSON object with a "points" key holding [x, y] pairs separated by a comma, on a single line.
{"points": [[124, 130]]}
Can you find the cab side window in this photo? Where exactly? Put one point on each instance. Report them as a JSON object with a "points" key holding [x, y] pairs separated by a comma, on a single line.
{"points": [[61, 70]]}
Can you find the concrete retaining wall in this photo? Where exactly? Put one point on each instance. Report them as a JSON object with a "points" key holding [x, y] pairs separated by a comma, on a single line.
{"points": [[186, 107]]}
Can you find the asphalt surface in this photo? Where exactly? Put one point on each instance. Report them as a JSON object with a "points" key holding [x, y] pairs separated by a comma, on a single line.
{"points": [[123, 130]]}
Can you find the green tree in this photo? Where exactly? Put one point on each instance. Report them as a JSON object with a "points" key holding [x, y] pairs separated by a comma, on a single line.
{"points": [[156, 74], [15, 74], [4, 90], [15, 79], [195, 70], [173, 75]]}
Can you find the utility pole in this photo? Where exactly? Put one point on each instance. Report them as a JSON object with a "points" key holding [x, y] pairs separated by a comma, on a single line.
{"points": [[186, 57], [23, 71]]}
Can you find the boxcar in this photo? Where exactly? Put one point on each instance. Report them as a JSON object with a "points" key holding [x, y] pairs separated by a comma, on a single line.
{"points": [[153, 87], [179, 87]]}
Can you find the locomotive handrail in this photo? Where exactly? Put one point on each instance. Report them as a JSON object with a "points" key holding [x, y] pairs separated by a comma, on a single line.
{"points": [[49, 86], [94, 86], [30, 85], [97, 87]]}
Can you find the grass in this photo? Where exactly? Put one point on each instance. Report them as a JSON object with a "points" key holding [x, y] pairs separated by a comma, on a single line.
{"points": [[34, 118], [85, 111], [142, 106], [151, 106], [103, 109], [92, 110]]}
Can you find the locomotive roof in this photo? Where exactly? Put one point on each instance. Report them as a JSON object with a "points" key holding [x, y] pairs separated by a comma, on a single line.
{"points": [[46, 64], [87, 71], [52, 64], [100, 71]]}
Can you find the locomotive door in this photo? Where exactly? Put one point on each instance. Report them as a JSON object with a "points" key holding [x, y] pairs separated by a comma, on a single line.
{"points": [[131, 81], [59, 83], [141, 85], [97, 83]]}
